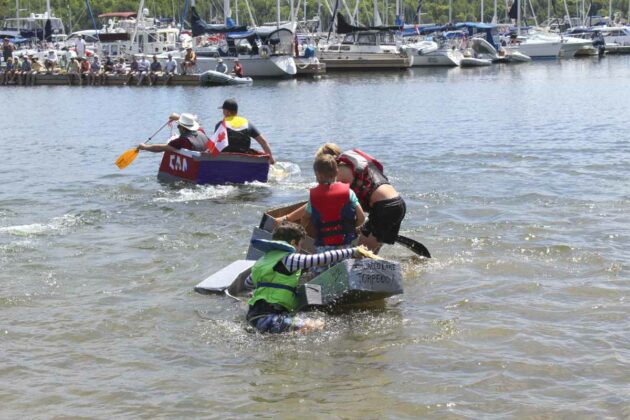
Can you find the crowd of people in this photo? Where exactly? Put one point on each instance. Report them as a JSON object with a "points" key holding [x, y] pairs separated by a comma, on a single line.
{"points": [[80, 68]]}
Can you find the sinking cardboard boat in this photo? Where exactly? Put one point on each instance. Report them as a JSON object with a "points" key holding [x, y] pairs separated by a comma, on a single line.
{"points": [[348, 282]]}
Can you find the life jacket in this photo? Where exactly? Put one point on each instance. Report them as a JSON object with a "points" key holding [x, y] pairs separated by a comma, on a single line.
{"points": [[368, 174], [333, 216], [271, 286], [238, 134], [198, 140]]}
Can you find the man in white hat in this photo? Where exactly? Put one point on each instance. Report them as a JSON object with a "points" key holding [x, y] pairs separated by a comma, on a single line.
{"points": [[221, 67], [191, 137]]}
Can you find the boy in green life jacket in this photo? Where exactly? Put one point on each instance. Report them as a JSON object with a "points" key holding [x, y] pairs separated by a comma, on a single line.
{"points": [[275, 277]]}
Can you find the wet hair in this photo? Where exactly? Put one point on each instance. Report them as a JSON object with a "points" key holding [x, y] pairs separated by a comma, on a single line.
{"points": [[329, 149], [288, 232], [325, 167]]}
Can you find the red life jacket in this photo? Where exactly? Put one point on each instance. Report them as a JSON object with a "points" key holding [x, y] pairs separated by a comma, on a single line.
{"points": [[368, 174], [332, 214]]}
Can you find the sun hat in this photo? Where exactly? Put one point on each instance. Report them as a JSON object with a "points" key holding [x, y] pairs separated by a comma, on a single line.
{"points": [[188, 122], [219, 60]]}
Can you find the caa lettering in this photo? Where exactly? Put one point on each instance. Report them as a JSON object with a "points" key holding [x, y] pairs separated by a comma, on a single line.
{"points": [[178, 163]]}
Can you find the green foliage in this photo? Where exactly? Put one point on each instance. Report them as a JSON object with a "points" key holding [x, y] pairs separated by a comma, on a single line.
{"points": [[74, 12]]}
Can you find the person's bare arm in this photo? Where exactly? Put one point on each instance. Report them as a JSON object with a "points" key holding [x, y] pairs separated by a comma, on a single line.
{"points": [[156, 148], [295, 216], [265, 146], [360, 215]]}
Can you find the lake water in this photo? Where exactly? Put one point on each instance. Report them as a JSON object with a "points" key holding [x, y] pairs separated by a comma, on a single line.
{"points": [[515, 177]]}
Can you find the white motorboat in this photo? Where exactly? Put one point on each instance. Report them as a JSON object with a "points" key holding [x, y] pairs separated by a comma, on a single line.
{"points": [[535, 48], [215, 78], [33, 26], [444, 56], [419, 48]]}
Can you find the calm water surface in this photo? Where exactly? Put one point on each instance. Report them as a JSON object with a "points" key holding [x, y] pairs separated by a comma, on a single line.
{"points": [[516, 179]]}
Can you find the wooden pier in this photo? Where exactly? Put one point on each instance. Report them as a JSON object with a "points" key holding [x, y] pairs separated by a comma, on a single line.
{"points": [[58, 79]]}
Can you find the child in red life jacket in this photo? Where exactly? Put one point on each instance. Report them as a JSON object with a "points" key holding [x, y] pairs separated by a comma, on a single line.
{"points": [[333, 211], [275, 277]]}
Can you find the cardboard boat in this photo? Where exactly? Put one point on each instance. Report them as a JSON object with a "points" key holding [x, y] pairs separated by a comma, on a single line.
{"points": [[349, 282], [204, 168]]}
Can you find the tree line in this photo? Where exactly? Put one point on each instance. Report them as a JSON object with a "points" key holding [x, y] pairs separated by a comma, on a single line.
{"points": [[75, 15]]}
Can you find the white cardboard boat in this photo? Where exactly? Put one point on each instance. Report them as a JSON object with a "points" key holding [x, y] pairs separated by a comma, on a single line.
{"points": [[348, 282]]}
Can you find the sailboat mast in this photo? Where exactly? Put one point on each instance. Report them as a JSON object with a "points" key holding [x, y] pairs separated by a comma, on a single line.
{"points": [[495, 18], [518, 18], [226, 11], [450, 11], [277, 13], [481, 13]]}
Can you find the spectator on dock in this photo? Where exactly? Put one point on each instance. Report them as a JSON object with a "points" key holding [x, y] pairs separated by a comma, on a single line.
{"points": [[108, 65], [221, 67], [74, 71], [133, 70], [36, 68], [190, 60], [52, 61], [240, 131], [80, 47], [238, 69], [94, 75], [170, 69], [7, 50], [85, 70], [120, 67], [9, 72], [143, 68], [25, 71], [191, 137], [155, 70]]}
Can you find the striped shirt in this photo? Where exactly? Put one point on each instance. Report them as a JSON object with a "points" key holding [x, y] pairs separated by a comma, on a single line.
{"points": [[294, 262]]}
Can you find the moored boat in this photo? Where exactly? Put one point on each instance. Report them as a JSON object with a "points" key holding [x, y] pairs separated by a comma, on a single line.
{"points": [[215, 78], [205, 168]]}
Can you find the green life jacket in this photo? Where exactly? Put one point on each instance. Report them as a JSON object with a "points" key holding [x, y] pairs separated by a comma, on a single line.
{"points": [[271, 286]]}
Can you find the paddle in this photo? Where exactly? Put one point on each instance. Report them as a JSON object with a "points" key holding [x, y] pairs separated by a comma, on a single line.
{"points": [[413, 246], [130, 155]]}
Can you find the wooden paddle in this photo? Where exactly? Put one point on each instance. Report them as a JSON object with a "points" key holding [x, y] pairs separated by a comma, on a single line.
{"points": [[130, 155], [413, 246], [366, 253]]}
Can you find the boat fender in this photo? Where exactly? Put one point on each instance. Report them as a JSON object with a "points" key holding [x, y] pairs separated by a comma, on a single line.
{"points": [[265, 245], [264, 51]]}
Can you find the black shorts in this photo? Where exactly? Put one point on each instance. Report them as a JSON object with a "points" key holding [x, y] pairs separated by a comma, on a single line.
{"points": [[385, 219]]}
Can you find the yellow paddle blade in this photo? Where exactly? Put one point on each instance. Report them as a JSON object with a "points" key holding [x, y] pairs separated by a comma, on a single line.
{"points": [[364, 252], [126, 158]]}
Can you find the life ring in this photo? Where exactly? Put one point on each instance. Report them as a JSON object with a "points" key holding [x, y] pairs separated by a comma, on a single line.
{"points": [[264, 51]]}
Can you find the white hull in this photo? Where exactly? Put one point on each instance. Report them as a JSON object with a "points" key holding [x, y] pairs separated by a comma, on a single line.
{"points": [[358, 61], [442, 58], [537, 50], [570, 46], [474, 62], [253, 66]]}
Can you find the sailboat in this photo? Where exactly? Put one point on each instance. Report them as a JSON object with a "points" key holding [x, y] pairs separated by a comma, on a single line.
{"points": [[265, 51]]}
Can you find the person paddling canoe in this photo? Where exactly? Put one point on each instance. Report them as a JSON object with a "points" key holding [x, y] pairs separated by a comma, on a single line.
{"points": [[239, 131], [191, 137]]}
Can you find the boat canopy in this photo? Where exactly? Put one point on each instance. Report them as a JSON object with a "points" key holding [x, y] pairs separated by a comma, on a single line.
{"points": [[343, 27], [201, 27]]}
